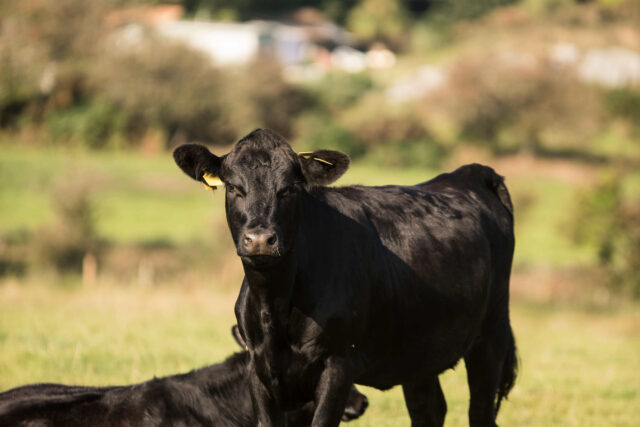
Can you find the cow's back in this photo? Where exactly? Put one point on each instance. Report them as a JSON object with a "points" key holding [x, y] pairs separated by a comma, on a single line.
{"points": [[427, 258]]}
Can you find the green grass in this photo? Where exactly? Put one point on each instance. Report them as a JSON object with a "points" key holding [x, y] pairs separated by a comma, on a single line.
{"points": [[578, 368], [138, 198], [109, 336], [543, 227]]}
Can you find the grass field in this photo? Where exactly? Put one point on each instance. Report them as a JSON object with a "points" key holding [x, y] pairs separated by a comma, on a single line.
{"points": [[578, 368]]}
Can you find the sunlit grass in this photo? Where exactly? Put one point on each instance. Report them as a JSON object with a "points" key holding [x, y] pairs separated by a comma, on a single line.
{"points": [[109, 336], [544, 227], [137, 198], [577, 367]]}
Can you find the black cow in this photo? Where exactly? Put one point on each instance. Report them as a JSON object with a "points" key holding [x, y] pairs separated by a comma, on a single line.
{"points": [[374, 285], [216, 396]]}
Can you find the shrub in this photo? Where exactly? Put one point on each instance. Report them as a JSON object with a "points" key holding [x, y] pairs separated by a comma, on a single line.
{"points": [[421, 153], [379, 127], [262, 99], [339, 90], [316, 131], [64, 244], [459, 10], [87, 83], [166, 85], [20, 68], [94, 125], [69, 30], [392, 135], [379, 20], [387, 134], [22, 63], [611, 224], [624, 103], [46, 47], [519, 102]]}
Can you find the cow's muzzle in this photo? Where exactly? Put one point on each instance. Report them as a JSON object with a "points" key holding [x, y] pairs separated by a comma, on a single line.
{"points": [[262, 242], [357, 403]]}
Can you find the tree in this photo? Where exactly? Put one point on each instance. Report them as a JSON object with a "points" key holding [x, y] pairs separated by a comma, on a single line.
{"points": [[379, 20]]}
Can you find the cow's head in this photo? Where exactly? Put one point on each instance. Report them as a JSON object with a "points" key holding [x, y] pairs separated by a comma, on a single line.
{"points": [[264, 181]]}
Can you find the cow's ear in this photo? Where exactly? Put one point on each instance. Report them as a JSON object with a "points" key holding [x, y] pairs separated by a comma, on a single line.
{"points": [[235, 331], [199, 163], [323, 167]]}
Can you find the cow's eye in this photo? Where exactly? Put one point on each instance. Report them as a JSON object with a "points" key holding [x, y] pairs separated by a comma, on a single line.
{"points": [[234, 189], [288, 191]]}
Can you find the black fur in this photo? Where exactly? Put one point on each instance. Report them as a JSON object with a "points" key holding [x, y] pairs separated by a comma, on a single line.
{"points": [[212, 396], [217, 395], [374, 285]]}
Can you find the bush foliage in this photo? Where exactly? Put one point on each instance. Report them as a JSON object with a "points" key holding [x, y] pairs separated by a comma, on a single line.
{"points": [[64, 243], [520, 103], [605, 220], [82, 82]]}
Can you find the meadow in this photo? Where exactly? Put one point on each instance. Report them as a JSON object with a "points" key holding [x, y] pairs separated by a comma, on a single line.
{"points": [[578, 367], [579, 362]]}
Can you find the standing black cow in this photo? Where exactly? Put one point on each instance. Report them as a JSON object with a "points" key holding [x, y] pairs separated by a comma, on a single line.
{"points": [[374, 285]]}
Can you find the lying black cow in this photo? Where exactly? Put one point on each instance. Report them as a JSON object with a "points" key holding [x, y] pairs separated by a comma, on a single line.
{"points": [[374, 285], [217, 395]]}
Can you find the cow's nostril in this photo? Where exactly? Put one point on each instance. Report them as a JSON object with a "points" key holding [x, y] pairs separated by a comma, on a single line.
{"points": [[272, 240], [248, 239]]}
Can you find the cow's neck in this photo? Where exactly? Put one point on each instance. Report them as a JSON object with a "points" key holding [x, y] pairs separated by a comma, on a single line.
{"points": [[271, 291], [270, 299]]}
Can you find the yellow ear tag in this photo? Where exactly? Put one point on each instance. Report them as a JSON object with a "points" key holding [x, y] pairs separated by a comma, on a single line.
{"points": [[318, 159], [212, 181], [307, 154]]}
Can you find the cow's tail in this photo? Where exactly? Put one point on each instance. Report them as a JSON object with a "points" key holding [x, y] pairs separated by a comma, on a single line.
{"points": [[509, 371]]}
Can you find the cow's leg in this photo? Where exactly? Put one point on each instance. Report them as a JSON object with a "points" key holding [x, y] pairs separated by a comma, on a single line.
{"points": [[485, 363], [425, 402], [301, 417], [357, 404], [265, 407], [331, 393]]}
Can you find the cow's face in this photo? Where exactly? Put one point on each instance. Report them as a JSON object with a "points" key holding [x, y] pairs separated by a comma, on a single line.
{"points": [[264, 183]]}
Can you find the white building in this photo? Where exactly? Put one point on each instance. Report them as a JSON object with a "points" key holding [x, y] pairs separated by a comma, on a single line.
{"points": [[238, 43]]}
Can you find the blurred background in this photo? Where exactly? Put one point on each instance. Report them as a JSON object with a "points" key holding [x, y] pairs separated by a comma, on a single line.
{"points": [[115, 266]]}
